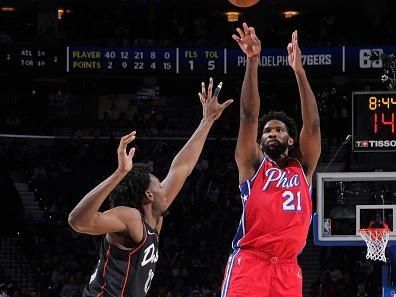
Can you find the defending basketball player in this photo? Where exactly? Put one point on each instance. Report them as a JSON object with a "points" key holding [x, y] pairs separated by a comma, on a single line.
{"points": [[275, 188], [138, 199]]}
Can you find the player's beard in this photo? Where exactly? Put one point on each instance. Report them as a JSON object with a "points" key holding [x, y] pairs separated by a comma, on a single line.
{"points": [[275, 150]]}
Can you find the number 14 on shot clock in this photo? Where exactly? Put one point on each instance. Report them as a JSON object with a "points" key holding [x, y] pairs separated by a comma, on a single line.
{"points": [[374, 121]]}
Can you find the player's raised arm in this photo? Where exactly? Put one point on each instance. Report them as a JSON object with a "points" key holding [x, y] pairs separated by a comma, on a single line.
{"points": [[184, 162], [310, 143], [247, 152], [86, 217]]}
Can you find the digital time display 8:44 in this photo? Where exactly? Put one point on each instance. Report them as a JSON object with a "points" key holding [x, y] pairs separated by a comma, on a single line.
{"points": [[374, 121]]}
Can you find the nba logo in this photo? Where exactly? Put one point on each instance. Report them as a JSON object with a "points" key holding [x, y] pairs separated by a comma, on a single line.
{"points": [[327, 227]]}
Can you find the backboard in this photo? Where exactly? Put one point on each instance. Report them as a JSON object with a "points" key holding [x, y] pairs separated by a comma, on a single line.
{"points": [[349, 201]]}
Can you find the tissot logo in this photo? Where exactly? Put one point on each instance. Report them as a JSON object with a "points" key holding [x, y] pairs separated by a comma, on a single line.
{"points": [[362, 143], [375, 143]]}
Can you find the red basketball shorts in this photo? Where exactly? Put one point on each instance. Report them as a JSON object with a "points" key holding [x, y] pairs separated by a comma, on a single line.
{"points": [[254, 274]]}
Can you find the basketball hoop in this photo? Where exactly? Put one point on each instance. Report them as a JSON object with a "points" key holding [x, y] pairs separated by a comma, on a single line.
{"points": [[376, 240]]}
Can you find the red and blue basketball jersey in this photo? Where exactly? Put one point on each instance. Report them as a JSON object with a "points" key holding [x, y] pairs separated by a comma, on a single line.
{"points": [[277, 210]]}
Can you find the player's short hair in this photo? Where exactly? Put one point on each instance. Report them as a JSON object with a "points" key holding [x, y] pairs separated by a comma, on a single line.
{"points": [[284, 118], [131, 190]]}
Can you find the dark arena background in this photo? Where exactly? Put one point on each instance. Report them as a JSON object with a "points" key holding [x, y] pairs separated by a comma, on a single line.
{"points": [[77, 75]]}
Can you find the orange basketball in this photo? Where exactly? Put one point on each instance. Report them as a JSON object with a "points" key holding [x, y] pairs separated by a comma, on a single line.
{"points": [[244, 3]]}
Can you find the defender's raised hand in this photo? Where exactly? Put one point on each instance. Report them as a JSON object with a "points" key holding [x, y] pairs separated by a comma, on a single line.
{"points": [[211, 108], [294, 53], [125, 162], [248, 41]]}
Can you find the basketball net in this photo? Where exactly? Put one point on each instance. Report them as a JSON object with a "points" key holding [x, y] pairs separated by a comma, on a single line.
{"points": [[376, 240]]}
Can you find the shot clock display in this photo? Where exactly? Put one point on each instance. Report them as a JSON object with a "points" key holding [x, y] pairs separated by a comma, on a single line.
{"points": [[374, 121]]}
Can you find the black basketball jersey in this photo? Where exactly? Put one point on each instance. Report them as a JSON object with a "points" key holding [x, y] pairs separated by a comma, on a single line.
{"points": [[125, 273]]}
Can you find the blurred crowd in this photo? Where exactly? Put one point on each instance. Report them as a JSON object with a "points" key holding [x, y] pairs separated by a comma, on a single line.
{"points": [[175, 115]]}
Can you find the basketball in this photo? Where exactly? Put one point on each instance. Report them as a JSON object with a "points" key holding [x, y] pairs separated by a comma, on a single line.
{"points": [[244, 3]]}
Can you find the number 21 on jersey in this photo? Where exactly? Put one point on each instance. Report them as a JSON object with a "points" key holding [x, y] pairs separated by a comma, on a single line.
{"points": [[292, 202]]}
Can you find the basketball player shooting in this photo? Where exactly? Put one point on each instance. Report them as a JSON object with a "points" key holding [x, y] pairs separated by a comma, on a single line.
{"points": [[275, 188], [138, 199]]}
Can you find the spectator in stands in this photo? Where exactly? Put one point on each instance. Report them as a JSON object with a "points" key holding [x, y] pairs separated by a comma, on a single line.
{"points": [[71, 288], [3, 290], [323, 286], [361, 290]]}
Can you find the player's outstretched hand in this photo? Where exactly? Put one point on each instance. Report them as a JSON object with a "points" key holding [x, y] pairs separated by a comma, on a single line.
{"points": [[248, 41], [211, 108], [125, 157], [294, 53]]}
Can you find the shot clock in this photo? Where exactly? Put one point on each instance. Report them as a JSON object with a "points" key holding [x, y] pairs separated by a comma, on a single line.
{"points": [[374, 121]]}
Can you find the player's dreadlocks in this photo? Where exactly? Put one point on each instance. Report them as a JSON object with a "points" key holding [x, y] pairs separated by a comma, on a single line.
{"points": [[284, 118], [131, 190]]}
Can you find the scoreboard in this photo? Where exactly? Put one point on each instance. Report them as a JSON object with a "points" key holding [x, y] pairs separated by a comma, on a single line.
{"points": [[119, 60], [202, 60], [374, 121], [208, 61], [19, 59], [28, 59], [322, 61], [145, 60]]}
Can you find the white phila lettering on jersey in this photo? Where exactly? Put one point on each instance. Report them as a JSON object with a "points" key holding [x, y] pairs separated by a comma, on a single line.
{"points": [[150, 255], [281, 177]]}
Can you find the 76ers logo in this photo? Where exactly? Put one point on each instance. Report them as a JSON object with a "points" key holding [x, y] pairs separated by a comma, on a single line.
{"points": [[281, 178]]}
